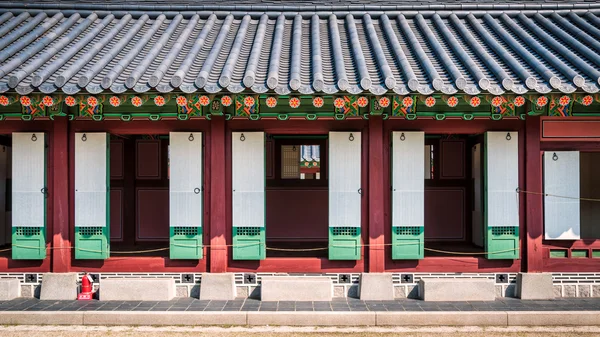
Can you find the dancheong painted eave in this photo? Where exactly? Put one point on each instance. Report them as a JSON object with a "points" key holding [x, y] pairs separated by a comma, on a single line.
{"points": [[73, 48]]}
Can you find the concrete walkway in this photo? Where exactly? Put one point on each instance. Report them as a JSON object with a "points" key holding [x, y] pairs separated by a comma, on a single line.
{"points": [[343, 312]]}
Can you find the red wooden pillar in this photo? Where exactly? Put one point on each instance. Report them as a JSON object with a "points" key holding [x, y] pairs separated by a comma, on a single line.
{"points": [[376, 195], [60, 254], [533, 182], [218, 230]]}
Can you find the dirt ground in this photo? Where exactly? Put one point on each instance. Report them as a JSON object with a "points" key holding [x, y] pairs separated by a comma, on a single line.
{"points": [[86, 331]]}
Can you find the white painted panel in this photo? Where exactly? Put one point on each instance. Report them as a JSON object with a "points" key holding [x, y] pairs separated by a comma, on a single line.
{"points": [[248, 179], [477, 214], [561, 178], [91, 172], [28, 179], [185, 183], [408, 179], [344, 179], [502, 179]]}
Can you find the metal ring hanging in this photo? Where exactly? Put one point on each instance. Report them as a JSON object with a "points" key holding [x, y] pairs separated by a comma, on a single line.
{"points": [[197, 190], [508, 136], [44, 191], [242, 137], [360, 191], [84, 137], [33, 137], [351, 137], [191, 137], [555, 156], [402, 136]]}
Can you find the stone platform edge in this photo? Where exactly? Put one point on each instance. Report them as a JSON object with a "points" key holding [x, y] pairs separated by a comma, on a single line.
{"points": [[304, 318]]}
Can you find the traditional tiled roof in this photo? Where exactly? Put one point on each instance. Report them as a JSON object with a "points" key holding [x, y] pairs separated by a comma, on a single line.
{"points": [[79, 49]]}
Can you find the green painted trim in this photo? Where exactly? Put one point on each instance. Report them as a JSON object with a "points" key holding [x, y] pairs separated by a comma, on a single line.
{"points": [[502, 245], [558, 253], [580, 253], [408, 243], [92, 243], [185, 243], [28, 243], [249, 243], [596, 253], [344, 243]]}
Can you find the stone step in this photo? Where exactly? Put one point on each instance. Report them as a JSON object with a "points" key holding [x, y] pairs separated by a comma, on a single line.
{"points": [[59, 286], [138, 289], [456, 289], [9, 289], [296, 288]]}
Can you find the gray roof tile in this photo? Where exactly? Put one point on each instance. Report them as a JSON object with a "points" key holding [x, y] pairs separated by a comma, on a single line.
{"points": [[447, 52]]}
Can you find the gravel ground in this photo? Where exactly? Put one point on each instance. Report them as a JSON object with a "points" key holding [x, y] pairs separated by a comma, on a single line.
{"points": [[91, 331]]}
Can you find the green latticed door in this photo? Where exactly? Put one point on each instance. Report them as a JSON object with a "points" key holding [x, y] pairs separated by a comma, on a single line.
{"points": [[408, 195], [185, 195], [28, 196], [248, 195], [501, 199], [345, 193], [92, 196]]}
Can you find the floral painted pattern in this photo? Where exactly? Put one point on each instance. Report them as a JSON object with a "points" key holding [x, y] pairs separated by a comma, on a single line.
{"points": [[362, 101], [48, 101], [249, 101], [497, 101], [541, 101], [407, 101], [475, 101], [318, 102], [204, 100], [136, 101], [384, 102], [92, 101], [339, 103], [181, 101], [226, 100], [25, 101], [519, 101], [452, 101], [271, 101], [430, 101], [114, 101], [586, 100], [564, 100], [294, 102], [70, 101], [4, 100], [159, 100]]}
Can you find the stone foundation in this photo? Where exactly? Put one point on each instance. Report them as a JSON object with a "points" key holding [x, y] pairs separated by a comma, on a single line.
{"points": [[344, 285]]}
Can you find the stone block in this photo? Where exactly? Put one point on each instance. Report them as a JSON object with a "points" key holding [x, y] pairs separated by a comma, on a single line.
{"points": [[169, 318], [570, 290], [59, 286], [583, 290], [535, 286], [41, 318], [339, 291], [219, 287], [400, 292], [26, 290], [376, 287], [450, 289], [181, 291], [296, 288], [558, 291], [9, 289], [412, 292], [499, 291], [137, 289], [242, 291], [596, 290]]}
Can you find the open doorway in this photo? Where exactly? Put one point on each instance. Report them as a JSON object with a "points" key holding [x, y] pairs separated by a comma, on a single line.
{"points": [[453, 194], [297, 202], [139, 194]]}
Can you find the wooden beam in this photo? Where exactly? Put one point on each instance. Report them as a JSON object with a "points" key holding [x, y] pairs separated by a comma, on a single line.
{"points": [[533, 182], [376, 194], [218, 209], [61, 255]]}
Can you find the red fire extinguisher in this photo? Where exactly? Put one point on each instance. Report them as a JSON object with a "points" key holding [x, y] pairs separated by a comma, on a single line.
{"points": [[86, 287]]}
